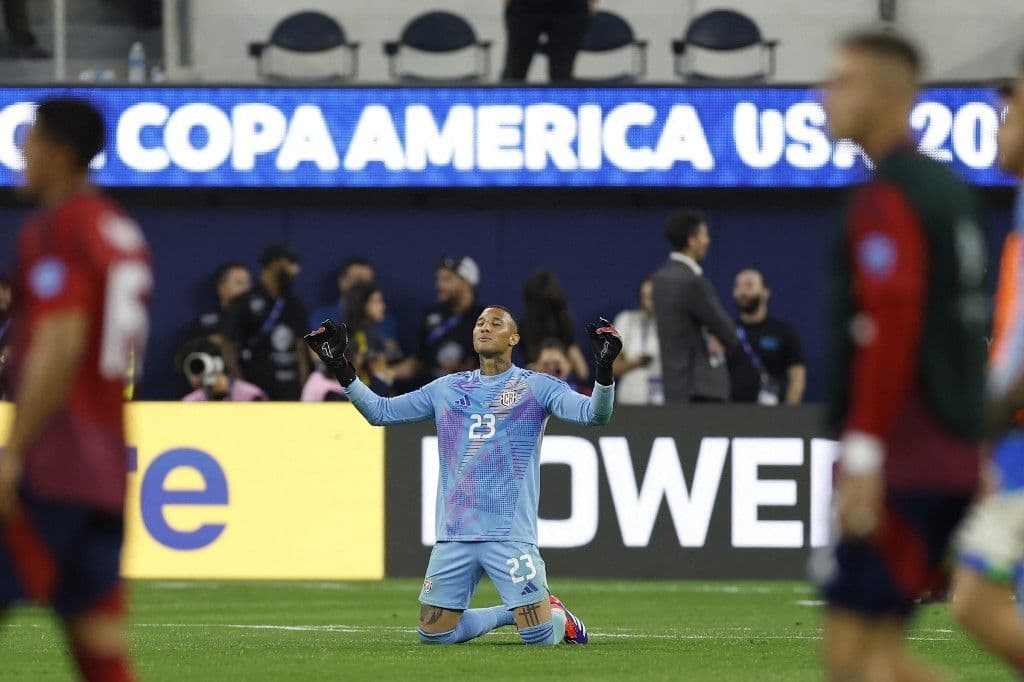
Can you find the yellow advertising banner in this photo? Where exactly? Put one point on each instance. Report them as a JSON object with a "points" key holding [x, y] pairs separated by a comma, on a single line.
{"points": [[255, 490]]}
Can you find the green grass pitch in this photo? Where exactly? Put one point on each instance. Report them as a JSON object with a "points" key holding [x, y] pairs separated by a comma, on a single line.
{"points": [[640, 630]]}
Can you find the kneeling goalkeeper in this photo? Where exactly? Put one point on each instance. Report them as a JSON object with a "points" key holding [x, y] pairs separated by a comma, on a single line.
{"points": [[490, 423]]}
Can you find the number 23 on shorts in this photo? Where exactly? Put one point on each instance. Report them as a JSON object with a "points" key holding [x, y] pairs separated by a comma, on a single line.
{"points": [[524, 561]]}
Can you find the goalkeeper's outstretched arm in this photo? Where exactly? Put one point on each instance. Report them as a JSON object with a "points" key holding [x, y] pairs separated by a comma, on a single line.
{"points": [[568, 405], [411, 407], [329, 342]]}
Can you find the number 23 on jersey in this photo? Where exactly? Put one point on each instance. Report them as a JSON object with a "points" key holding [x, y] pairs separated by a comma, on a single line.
{"points": [[481, 426]]}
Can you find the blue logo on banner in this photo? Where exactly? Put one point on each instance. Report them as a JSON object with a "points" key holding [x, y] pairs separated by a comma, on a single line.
{"points": [[155, 496]]}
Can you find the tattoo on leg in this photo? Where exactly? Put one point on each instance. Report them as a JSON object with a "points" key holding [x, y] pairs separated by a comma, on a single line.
{"points": [[531, 615], [430, 614]]}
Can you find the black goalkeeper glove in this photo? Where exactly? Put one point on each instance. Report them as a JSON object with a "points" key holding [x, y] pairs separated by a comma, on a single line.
{"points": [[329, 342], [607, 346]]}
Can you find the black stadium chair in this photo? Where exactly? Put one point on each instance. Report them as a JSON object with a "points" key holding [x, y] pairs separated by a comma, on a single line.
{"points": [[306, 33], [722, 30], [439, 33], [607, 31]]}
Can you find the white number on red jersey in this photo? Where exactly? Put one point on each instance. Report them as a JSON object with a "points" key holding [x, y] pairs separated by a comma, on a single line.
{"points": [[125, 320]]}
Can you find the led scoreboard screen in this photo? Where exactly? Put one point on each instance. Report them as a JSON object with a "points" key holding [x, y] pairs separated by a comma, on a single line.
{"points": [[494, 136]]}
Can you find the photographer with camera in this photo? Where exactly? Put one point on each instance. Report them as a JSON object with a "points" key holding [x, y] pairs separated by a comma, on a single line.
{"points": [[203, 364]]}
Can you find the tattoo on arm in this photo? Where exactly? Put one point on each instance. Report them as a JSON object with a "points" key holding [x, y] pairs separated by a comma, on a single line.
{"points": [[530, 614], [430, 614]]}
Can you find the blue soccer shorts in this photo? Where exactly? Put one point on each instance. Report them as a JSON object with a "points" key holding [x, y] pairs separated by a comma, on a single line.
{"points": [[905, 560], [455, 568], [63, 555]]}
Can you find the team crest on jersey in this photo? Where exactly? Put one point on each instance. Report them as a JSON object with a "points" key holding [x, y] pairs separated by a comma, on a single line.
{"points": [[47, 277], [877, 255], [427, 586], [508, 398]]}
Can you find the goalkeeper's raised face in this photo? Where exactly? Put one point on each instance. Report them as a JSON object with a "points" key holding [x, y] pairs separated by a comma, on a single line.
{"points": [[496, 333]]}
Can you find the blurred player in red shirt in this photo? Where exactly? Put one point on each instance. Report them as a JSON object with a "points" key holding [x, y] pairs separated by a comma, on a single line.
{"points": [[82, 285], [910, 317]]}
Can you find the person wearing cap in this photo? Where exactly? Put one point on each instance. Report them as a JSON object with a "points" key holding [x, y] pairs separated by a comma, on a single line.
{"points": [[263, 329], [446, 337]]}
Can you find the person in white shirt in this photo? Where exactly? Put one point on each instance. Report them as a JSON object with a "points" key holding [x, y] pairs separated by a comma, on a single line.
{"points": [[638, 368]]}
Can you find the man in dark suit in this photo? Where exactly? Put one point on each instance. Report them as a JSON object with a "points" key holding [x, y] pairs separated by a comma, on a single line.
{"points": [[694, 330]]}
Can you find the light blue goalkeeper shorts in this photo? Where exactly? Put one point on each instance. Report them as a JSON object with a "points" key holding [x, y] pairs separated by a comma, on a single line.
{"points": [[455, 569]]}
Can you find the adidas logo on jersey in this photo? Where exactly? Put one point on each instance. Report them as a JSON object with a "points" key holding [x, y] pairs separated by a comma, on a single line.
{"points": [[461, 402], [529, 589]]}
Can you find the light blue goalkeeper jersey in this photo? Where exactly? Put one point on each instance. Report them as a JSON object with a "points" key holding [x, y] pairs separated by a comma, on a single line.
{"points": [[489, 430]]}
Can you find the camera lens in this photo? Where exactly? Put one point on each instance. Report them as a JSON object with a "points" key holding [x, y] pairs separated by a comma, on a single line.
{"points": [[198, 365]]}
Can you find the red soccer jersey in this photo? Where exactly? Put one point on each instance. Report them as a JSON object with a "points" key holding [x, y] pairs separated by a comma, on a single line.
{"points": [[890, 260], [84, 254]]}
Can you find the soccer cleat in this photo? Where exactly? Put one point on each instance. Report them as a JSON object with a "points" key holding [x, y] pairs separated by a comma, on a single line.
{"points": [[575, 630]]}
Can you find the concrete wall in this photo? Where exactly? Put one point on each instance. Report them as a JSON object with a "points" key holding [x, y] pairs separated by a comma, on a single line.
{"points": [[962, 40]]}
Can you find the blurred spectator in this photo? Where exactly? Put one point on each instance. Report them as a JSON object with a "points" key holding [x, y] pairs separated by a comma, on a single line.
{"points": [[374, 353], [263, 329], [767, 366], [546, 316], [353, 272], [693, 328], [554, 360], [563, 22], [6, 301], [377, 358], [231, 280], [446, 337], [21, 42], [203, 364], [321, 387], [638, 367]]}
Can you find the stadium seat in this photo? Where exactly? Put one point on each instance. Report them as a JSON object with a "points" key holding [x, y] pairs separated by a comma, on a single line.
{"points": [[722, 30], [305, 34], [606, 32], [438, 33]]}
